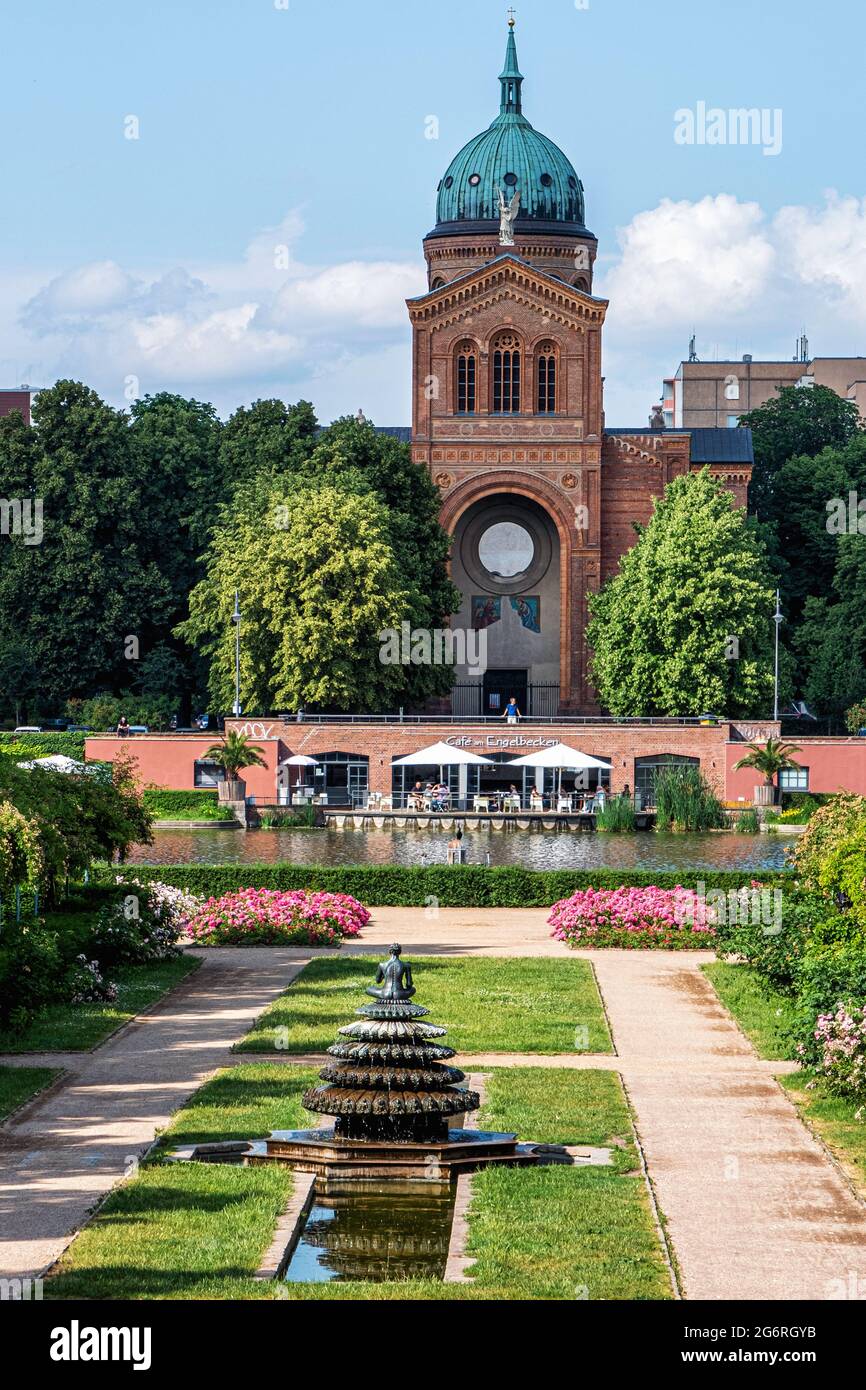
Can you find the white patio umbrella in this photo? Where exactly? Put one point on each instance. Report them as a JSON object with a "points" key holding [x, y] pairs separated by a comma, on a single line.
{"points": [[58, 762], [559, 756], [445, 755], [298, 760]]}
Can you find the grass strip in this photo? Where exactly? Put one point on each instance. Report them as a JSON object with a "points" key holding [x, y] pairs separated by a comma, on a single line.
{"points": [[487, 1003]]}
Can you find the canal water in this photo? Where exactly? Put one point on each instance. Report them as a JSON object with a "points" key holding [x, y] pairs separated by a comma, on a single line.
{"points": [[536, 849]]}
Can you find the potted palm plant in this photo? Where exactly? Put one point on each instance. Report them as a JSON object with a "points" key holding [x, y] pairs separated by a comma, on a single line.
{"points": [[233, 753], [770, 758]]}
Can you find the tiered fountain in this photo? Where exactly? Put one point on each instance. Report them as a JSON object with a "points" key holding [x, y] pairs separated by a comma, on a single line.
{"points": [[393, 1095]]}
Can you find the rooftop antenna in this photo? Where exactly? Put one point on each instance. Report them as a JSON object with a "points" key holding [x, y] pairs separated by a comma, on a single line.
{"points": [[693, 352]]}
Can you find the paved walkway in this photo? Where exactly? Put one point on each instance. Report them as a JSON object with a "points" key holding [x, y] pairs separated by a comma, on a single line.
{"points": [[61, 1154], [754, 1207]]}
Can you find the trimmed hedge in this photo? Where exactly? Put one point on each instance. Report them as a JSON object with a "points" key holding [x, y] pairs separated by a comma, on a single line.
{"points": [[397, 885], [28, 746], [185, 805]]}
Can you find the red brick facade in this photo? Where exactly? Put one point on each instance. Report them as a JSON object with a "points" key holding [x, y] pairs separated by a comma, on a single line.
{"points": [[592, 485]]}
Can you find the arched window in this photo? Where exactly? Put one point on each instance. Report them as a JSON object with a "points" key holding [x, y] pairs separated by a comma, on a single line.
{"points": [[506, 375], [466, 379], [546, 380]]}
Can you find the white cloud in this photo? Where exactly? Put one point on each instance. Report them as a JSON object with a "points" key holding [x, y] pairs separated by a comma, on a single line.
{"points": [[269, 323], [80, 296], [827, 249], [685, 261]]}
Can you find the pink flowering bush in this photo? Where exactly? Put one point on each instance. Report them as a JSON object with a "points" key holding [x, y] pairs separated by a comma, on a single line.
{"points": [[268, 917], [669, 918], [841, 1045]]}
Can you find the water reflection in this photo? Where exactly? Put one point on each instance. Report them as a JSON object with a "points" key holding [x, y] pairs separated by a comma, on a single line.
{"points": [[380, 1231], [546, 849]]}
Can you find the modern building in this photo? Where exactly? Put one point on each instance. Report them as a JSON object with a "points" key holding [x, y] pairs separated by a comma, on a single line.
{"points": [[707, 395], [539, 493]]}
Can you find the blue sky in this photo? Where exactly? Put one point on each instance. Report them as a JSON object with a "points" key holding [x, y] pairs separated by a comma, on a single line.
{"points": [[149, 263]]}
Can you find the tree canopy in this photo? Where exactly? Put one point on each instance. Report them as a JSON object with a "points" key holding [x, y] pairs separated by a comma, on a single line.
{"points": [[686, 624]]}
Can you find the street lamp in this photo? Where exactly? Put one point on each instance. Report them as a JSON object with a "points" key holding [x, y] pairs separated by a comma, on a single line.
{"points": [[236, 619], [777, 619]]}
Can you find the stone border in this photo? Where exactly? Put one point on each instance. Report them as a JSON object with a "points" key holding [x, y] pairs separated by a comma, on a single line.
{"points": [[288, 1229], [458, 1262]]}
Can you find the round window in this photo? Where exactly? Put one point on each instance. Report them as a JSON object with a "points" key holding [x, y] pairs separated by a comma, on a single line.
{"points": [[448, 181], [546, 180], [506, 549], [511, 180], [474, 180]]}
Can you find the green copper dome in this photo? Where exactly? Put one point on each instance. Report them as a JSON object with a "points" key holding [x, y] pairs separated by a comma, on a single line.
{"points": [[511, 155]]}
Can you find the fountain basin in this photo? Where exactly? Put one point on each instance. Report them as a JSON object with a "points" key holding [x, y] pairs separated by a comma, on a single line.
{"points": [[330, 1155]]}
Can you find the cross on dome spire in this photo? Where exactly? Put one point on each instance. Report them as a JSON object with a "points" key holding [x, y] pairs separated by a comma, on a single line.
{"points": [[511, 78]]}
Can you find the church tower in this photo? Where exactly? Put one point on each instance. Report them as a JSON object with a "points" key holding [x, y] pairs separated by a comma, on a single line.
{"points": [[508, 413]]}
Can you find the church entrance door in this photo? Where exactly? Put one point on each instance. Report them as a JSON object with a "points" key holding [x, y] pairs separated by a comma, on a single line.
{"points": [[499, 686]]}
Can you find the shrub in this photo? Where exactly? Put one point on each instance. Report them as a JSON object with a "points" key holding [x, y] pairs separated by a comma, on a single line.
{"points": [[146, 926], [402, 885], [686, 801], [840, 1044], [267, 917], [633, 917], [776, 954], [85, 983], [30, 972], [164, 804], [19, 747], [841, 819], [827, 977], [748, 822]]}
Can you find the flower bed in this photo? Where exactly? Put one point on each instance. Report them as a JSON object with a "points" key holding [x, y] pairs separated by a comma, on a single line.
{"points": [[634, 918], [268, 917]]}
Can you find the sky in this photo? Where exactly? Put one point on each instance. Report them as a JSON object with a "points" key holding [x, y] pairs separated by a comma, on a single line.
{"points": [[227, 198]]}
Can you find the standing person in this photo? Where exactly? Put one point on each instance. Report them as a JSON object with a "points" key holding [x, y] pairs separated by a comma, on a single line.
{"points": [[123, 727], [512, 713]]}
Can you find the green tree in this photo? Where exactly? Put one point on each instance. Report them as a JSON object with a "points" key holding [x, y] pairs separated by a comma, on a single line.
{"points": [[96, 577], [686, 624], [797, 421], [267, 438], [318, 580], [831, 640]]}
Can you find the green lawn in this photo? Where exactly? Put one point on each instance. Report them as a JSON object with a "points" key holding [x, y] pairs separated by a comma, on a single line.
{"points": [[18, 1084], [487, 1004], [77, 1027], [200, 1230], [835, 1120], [762, 1012]]}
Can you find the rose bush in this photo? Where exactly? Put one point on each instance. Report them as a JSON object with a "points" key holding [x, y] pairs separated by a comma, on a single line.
{"points": [[268, 917], [840, 1044], [633, 918], [147, 924]]}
